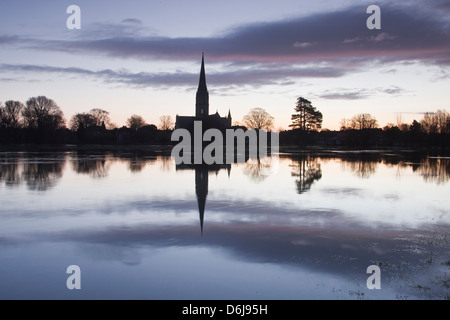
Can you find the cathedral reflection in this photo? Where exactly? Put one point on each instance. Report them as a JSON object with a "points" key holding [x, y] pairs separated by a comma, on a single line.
{"points": [[202, 172]]}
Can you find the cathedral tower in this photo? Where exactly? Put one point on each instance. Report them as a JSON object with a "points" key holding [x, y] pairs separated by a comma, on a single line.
{"points": [[202, 100]]}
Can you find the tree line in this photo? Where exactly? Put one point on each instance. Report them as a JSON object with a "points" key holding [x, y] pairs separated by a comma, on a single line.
{"points": [[362, 130], [41, 120]]}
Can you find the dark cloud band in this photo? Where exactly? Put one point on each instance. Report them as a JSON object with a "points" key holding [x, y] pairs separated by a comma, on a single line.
{"points": [[327, 45]]}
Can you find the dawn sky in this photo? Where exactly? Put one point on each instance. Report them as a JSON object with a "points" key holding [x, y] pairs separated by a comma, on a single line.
{"points": [[143, 57]]}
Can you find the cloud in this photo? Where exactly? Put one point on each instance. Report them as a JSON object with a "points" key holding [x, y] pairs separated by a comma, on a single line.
{"points": [[108, 75], [441, 5], [132, 21], [394, 90], [343, 94], [258, 237], [303, 44], [127, 28], [322, 45], [407, 34], [8, 40], [382, 37], [357, 94], [252, 77]]}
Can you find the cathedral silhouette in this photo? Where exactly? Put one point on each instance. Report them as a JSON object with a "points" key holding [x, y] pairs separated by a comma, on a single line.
{"points": [[209, 121]]}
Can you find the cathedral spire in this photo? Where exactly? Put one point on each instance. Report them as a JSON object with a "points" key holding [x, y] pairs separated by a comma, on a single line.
{"points": [[202, 101], [202, 82], [201, 190]]}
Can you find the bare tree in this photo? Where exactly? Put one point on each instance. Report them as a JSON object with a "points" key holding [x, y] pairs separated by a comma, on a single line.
{"points": [[43, 113], [345, 124], [135, 122], [82, 120], [258, 118], [94, 118], [166, 123], [437, 122], [10, 114], [101, 117], [443, 120], [363, 121]]}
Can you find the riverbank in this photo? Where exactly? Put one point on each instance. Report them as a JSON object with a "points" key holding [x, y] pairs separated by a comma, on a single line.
{"points": [[164, 149]]}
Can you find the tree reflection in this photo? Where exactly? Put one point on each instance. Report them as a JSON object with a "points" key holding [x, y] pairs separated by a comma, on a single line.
{"points": [[42, 176], [40, 173], [362, 168], [307, 170], [137, 163], [10, 173], [434, 170], [97, 167], [258, 169], [165, 163]]}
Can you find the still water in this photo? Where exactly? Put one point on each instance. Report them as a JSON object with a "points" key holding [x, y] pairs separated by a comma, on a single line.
{"points": [[297, 226]]}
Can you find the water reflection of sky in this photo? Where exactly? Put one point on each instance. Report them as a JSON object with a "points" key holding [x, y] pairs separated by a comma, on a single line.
{"points": [[308, 229]]}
